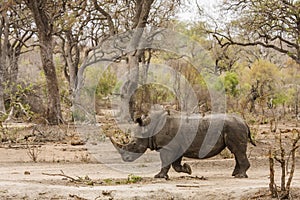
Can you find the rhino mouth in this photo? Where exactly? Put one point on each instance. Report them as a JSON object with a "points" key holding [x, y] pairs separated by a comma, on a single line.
{"points": [[129, 152], [130, 156]]}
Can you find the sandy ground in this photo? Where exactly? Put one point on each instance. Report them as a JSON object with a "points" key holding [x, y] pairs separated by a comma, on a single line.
{"points": [[15, 184], [100, 174]]}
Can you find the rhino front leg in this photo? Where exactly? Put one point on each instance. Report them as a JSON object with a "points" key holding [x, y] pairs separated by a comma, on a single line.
{"points": [[163, 172], [185, 168], [167, 157]]}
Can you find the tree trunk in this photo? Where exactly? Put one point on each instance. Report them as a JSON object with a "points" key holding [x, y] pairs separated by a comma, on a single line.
{"points": [[140, 21], [2, 106], [45, 34], [4, 28], [296, 102], [71, 56], [13, 70], [54, 115], [133, 65]]}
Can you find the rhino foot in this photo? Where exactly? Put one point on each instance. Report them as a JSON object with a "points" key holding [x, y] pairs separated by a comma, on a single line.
{"points": [[187, 169], [241, 176], [162, 175], [235, 172]]}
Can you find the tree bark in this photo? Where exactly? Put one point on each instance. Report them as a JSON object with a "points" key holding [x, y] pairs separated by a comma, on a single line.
{"points": [[140, 21], [45, 35], [72, 61], [272, 185], [296, 102], [3, 56], [54, 115], [13, 38], [2, 105]]}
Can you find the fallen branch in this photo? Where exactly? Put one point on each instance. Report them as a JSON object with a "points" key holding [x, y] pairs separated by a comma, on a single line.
{"points": [[63, 175], [194, 186], [85, 180], [77, 197]]}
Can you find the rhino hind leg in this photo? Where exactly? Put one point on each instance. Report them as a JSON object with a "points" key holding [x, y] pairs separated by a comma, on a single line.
{"points": [[185, 168], [236, 168], [242, 162], [243, 165]]}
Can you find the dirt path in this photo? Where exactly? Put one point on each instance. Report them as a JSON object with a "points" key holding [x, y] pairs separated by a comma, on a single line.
{"points": [[17, 183], [211, 179]]}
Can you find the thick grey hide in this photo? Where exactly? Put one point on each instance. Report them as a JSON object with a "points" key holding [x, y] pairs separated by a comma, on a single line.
{"points": [[193, 137]]}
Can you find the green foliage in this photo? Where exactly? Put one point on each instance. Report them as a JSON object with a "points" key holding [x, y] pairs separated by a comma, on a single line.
{"points": [[133, 178], [280, 98], [16, 94], [264, 71], [108, 181], [263, 75], [106, 84], [229, 81]]}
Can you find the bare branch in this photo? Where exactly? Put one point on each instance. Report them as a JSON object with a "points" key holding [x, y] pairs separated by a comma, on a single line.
{"points": [[107, 16]]}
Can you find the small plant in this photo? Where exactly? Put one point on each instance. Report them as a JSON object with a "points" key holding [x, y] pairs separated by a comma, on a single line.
{"points": [[17, 94], [133, 178], [3, 133], [106, 84], [86, 179], [85, 158], [33, 152], [108, 181]]}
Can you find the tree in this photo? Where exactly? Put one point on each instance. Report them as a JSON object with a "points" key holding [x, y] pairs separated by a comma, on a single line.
{"points": [[262, 80], [135, 17], [15, 31], [273, 24], [44, 17], [82, 26], [292, 84]]}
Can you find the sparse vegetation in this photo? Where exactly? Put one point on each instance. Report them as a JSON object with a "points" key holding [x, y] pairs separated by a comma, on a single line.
{"points": [[285, 155], [33, 151], [133, 178], [46, 45]]}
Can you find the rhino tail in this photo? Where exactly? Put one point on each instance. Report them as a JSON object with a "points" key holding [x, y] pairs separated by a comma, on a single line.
{"points": [[250, 136]]}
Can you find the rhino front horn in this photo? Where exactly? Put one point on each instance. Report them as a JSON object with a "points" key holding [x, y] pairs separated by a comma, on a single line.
{"points": [[116, 145]]}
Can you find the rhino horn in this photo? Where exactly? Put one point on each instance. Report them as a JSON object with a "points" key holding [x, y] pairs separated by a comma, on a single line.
{"points": [[116, 145]]}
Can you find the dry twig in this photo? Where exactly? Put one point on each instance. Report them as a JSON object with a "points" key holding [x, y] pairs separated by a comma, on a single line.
{"points": [[61, 174]]}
